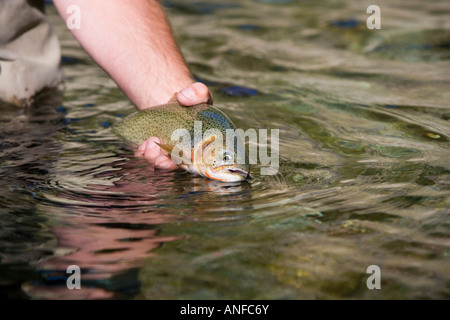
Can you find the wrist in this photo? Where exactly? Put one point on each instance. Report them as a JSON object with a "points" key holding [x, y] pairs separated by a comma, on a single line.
{"points": [[160, 93]]}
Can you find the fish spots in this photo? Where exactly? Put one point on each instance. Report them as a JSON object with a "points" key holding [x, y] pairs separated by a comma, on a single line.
{"points": [[216, 118]]}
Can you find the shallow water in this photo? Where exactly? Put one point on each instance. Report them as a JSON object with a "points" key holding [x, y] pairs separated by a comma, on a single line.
{"points": [[363, 179]]}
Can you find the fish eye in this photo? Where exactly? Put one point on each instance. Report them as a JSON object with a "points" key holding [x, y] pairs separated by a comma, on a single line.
{"points": [[227, 157]]}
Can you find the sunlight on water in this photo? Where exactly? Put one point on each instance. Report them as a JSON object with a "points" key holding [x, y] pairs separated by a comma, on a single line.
{"points": [[363, 179]]}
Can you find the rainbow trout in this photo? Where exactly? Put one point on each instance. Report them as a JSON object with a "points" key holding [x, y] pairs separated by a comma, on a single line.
{"points": [[195, 138]]}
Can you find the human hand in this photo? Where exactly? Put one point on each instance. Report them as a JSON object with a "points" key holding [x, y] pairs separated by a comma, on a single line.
{"points": [[195, 93]]}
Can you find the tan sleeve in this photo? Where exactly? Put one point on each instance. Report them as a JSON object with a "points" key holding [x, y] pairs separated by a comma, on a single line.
{"points": [[29, 52]]}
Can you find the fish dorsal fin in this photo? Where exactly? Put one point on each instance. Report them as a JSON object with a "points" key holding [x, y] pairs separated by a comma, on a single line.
{"points": [[179, 157]]}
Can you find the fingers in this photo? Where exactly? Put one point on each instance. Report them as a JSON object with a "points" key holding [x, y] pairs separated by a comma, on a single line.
{"points": [[151, 152], [141, 150], [164, 162], [194, 94]]}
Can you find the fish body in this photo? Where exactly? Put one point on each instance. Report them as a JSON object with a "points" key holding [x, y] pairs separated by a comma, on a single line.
{"points": [[202, 147]]}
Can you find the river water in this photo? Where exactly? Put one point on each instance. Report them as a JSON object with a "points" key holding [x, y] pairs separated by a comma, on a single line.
{"points": [[363, 119]]}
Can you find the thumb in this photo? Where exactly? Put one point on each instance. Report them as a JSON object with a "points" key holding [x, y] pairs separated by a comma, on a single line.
{"points": [[194, 94]]}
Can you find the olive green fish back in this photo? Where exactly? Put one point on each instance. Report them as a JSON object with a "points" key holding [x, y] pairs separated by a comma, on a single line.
{"points": [[162, 121]]}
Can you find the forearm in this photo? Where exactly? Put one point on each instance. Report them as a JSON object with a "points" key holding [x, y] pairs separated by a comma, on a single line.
{"points": [[132, 42]]}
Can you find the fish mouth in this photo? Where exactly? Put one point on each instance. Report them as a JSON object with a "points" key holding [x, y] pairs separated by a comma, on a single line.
{"points": [[237, 172], [243, 173]]}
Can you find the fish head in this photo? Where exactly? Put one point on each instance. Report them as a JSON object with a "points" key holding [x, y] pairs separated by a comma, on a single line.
{"points": [[220, 163]]}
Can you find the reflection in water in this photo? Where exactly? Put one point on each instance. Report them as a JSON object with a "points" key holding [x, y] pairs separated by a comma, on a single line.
{"points": [[363, 178], [115, 226]]}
